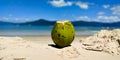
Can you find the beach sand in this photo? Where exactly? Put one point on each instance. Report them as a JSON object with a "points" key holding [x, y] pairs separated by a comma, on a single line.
{"points": [[43, 48]]}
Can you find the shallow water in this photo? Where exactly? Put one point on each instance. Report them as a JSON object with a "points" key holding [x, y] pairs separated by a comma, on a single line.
{"points": [[43, 30]]}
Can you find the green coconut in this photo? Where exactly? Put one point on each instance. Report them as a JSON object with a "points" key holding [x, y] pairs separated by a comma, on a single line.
{"points": [[63, 33]]}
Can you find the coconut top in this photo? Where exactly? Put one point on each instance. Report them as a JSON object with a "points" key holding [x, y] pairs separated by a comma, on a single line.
{"points": [[63, 21]]}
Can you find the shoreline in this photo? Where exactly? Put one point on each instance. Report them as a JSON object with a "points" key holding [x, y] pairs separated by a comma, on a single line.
{"points": [[45, 35], [41, 38]]}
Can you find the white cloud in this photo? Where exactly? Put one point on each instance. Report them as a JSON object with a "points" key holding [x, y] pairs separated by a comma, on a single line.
{"points": [[84, 18], [99, 18], [17, 19], [116, 10], [106, 6], [101, 13], [14, 19], [82, 5], [108, 18], [27, 19], [60, 3], [5, 18]]}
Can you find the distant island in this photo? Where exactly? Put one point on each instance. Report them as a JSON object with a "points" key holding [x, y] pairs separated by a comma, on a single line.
{"points": [[43, 22]]}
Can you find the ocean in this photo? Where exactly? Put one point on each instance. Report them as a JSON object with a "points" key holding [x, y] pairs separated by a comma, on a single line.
{"points": [[44, 30]]}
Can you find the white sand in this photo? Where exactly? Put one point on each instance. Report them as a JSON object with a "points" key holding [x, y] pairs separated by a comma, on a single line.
{"points": [[16, 48], [106, 41]]}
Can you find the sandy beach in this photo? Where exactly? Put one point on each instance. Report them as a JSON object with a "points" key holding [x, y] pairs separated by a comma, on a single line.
{"points": [[59, 29], [43, 48]]}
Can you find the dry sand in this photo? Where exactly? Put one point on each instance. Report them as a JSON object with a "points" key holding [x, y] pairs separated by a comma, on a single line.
{"points": [[106, 41], [42, 48]]}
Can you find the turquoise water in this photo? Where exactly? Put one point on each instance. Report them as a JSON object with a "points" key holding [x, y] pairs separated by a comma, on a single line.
{"points": [[43, 30]]}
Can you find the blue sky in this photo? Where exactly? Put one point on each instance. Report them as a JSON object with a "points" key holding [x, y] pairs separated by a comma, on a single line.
{"points": [[74, 10]]}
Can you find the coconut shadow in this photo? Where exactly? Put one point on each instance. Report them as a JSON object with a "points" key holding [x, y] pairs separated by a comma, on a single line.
{"points": [[55, 46]]}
